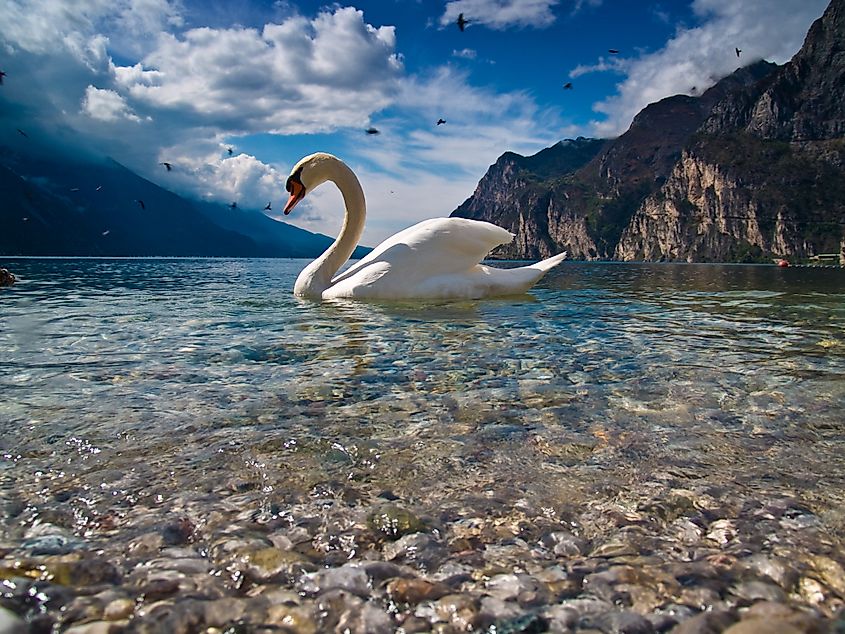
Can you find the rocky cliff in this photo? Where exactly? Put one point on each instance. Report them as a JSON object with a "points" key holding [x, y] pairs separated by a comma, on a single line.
{"points": [[763, 177], [751, 169]]}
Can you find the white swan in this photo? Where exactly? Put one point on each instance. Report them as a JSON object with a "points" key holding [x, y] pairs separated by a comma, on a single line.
{"points": [[434, 259]]}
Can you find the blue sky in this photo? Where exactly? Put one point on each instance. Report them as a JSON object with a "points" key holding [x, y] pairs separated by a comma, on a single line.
{"points": [[181, 81]]}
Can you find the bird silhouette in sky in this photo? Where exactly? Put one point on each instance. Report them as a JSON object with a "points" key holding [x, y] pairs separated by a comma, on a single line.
{"points": [[141, 203], [738, 51], [2, 75], [612, 51], [568, 85], [268, 207], [74, 189], [229, 150], [441, 121], [99, 187], [462, 22], [233, 205], [167, 165], [371, 131], [106, 232], [22, 133]]}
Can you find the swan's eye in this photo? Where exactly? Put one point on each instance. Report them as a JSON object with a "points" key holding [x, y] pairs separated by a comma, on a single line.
{"points": [[293, 178]]}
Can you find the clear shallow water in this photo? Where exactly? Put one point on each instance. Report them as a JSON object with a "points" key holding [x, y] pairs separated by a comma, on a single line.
{"points": [[134, 391]]}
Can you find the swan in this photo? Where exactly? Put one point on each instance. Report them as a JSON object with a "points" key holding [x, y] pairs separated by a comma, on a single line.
{"points": [[434, 259]]}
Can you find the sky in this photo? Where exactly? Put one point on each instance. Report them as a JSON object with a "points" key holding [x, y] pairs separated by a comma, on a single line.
{"points": [[185, 81]]}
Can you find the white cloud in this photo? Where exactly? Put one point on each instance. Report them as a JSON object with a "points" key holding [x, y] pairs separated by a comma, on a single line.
{"points": [[701, 55], [49, 26], [501, 14], [106, 105], [614, 64], [465, 53], [295, 77]]}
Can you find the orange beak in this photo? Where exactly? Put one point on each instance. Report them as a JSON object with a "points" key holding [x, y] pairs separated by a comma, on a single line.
{"points": [[297, 193]]}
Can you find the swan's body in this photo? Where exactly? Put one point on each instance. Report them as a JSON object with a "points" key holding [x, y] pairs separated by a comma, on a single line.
{"points": [[434, 259]]}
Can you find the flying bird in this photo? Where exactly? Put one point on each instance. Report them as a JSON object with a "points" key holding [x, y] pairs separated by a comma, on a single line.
{"points": [[167, 165], [612, 51], [229, 150], [568, 85], [106, 232], [2, 75], [233, 205], [99, 187], [141, 203], [441, 121], [74, 189], [738, 51], [462, 22], [268, 207], [22, 133], [372, 131]]}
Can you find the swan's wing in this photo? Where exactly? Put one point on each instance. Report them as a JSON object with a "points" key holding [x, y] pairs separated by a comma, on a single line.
{"points": [[434, 247]]}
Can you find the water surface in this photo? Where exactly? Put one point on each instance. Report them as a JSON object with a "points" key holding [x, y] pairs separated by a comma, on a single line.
{"points": [[134, 391]]}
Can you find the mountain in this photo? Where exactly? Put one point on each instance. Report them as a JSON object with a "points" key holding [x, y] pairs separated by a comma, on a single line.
{"points": [[97, 207], [750, 169]]}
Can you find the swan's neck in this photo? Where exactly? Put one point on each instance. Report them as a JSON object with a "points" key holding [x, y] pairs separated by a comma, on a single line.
{"points": [[317, 276]]}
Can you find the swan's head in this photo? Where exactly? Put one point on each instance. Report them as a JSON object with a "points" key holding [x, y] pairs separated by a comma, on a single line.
{"points": [[308, 173]]}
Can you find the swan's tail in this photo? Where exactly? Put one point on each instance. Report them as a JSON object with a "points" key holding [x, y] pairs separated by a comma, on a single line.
{"points": [[548, 264], [519, 280]]}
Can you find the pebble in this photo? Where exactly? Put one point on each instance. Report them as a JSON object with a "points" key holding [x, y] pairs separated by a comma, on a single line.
{"points": [[10, 623]]}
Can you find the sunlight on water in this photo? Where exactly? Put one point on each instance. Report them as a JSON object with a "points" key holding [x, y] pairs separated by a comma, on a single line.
{"points": [[136, 388]]}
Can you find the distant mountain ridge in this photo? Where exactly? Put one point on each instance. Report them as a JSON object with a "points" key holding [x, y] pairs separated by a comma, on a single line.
{"points": [[90, 207], [749, 170]]}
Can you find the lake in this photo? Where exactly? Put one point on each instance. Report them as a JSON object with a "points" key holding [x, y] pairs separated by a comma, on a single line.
{"points": [[187, 446]]}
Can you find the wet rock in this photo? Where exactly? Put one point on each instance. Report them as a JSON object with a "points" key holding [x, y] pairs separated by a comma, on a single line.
{"points": [[10, 623], [561, 618], [393, 521], [753, 591], [774, 568], [365, 619], [829, 572], [524, 589], [7, 278], [522, 624], [352, 579], [706, 623], [415, 625], [419, 549], [496, 609], [762, 626], [461, 611], [565, 544], [264, 565], [118, 609], [52, 544], [178, 532], [96, 627], [331, 606], [413, 591], [619, 623], [291, 618], [721, 531], [379, 571], [225, 610], [159, 588], [83, 571], [614, 549]]}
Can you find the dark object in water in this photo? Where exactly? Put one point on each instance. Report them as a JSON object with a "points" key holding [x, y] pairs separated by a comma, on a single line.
{"points": [[6, 277]]}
